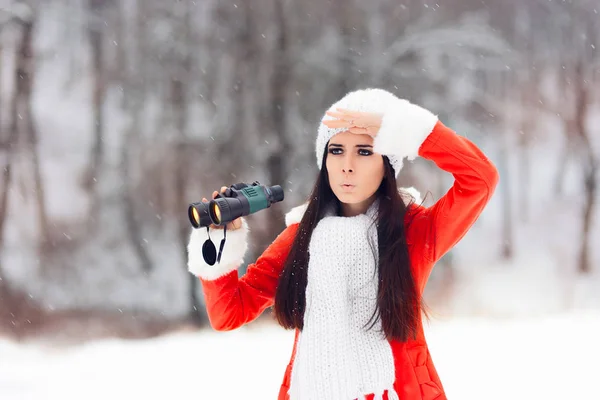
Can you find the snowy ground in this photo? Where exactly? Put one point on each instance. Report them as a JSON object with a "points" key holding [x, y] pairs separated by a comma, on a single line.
{"points": [[554, 357]]}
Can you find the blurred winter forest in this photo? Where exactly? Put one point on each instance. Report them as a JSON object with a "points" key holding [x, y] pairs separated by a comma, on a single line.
{"points": [[115, 115]]}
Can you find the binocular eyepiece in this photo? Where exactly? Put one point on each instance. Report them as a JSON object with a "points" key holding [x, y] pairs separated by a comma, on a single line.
{"points": [[237, 201]]}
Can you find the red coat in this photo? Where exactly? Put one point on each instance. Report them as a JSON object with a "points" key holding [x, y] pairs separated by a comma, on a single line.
{"points": [[233, 302]]}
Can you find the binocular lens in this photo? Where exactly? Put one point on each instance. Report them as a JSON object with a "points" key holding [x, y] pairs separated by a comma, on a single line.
{"points": [[215, 213], [198, 214], [195, 217]]}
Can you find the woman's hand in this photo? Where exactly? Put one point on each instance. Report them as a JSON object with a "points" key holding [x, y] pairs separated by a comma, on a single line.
{"points": [[358, 122], [231, 226]]}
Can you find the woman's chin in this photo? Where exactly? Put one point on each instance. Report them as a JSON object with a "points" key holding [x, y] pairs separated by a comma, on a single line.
{"points": [[349, 198]]}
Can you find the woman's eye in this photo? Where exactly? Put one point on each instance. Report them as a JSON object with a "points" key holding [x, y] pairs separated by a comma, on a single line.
{"points": [[337, 151]]}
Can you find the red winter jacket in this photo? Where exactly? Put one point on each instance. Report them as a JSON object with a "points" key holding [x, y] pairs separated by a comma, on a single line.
{"points": [[232, 302]]}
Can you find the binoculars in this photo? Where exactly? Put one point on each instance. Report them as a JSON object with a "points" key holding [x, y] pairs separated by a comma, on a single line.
{"points": [[237, 201]]}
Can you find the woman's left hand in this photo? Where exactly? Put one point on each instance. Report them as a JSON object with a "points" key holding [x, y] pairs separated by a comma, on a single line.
{"points": [[358, 122]]}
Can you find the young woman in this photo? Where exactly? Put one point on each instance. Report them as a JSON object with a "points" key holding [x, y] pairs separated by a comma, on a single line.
{"points": [[348, 272]]}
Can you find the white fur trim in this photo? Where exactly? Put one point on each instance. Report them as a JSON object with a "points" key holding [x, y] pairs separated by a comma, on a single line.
{"points": [[295, 215], [236, 245], [404, 127], [413, 193]]}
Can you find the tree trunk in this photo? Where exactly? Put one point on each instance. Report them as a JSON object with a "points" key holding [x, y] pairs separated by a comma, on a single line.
{"points": [[590, 176], [8, 145], [590, 165], [528, 121], [1, 87], [133, 102], [507, 225], [524, 170], [280, 82], [567, 153], [96, 37], [346, 74], [24, 79], [569, 148], [527, 89], [6, 183], [180, 77], [501, 87]]}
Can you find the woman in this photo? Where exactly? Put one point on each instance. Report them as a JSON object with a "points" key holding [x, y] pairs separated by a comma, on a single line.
{"points": [[355, 302]]}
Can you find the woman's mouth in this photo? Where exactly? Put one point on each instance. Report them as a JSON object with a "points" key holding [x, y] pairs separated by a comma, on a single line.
{"points": [[347, 186]]}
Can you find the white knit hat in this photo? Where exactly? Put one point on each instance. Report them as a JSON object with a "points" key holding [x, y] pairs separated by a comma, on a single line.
{"points": [[408, 122], [369, 100]]}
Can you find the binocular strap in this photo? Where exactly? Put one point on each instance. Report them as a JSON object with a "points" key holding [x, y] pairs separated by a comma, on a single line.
{"points": [[209, 252], [222, 243]]}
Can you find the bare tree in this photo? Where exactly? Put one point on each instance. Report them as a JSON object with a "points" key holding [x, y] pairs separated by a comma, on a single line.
{"points": [[96, 37], [527, 89], [23, 127], [589, 161], [22, 130], [130, 60], [576, 60], [7, 145], [180, 74], [24, 84], [279, 92]]}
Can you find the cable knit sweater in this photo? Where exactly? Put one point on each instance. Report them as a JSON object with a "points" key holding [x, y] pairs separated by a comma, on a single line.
{"points": [[333, 357]]}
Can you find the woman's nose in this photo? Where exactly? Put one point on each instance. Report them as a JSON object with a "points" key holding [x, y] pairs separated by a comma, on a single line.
{"points": [[348, 167]]}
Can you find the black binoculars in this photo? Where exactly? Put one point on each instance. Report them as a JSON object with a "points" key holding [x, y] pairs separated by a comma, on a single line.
{"points": [[238, 200]]}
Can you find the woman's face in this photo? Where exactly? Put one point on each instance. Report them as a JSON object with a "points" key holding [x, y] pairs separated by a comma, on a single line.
{"points": [[354, 171]]}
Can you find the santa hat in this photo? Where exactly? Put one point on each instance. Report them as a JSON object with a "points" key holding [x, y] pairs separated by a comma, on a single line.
{"points": [[403, 128]]}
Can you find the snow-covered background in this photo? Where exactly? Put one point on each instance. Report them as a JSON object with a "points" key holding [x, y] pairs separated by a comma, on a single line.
{"points": [[552, 357], [97, 299]]}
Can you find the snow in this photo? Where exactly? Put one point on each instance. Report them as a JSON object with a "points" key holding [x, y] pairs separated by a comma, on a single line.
{"points": [[552, 357]]}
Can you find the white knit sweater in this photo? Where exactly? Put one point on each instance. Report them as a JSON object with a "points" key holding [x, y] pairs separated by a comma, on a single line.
{"points": [[337, 358]]}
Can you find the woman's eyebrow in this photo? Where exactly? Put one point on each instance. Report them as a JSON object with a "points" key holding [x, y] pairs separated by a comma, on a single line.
{"points": [[358, 145]]}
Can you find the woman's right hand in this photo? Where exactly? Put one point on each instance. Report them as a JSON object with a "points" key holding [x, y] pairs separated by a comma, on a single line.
{"points": [[231, 226]]}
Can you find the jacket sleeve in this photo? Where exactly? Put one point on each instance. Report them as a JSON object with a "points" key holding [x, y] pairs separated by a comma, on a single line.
{"points": [[434, 230], [232, 301]]}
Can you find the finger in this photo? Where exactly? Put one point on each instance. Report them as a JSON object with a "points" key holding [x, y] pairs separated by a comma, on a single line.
{"points": [[336, 114], [351, 113], [358, 130], [215, 193], [363, 131], [343, 116], [223, 189], [204, 200], [337, 124]]}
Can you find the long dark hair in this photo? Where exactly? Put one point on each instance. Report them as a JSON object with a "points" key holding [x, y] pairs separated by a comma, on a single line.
{"points": [[399, 303]]}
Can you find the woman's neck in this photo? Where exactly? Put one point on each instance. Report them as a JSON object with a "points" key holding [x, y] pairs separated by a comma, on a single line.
{"points": [[352, 210]]}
